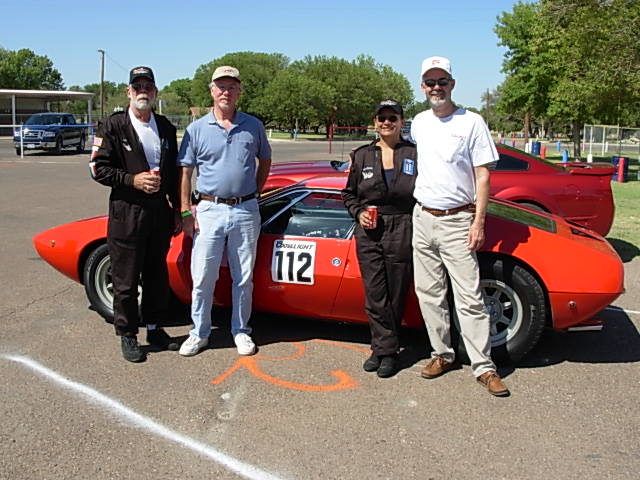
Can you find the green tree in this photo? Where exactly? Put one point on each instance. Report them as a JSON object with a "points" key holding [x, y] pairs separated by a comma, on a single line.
{"points": [[524, 91], [571, 61], [256, 71], [177, 97], [23, 69], [597, 46], [115, 98], [357, 85], [294, 99]]}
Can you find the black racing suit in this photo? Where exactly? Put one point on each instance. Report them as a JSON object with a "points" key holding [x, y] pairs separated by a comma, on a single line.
{"points": [[384, 253], [140, 224]]}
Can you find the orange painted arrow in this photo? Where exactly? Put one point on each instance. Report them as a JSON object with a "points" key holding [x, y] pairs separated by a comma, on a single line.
{"points": [[345, 381]]}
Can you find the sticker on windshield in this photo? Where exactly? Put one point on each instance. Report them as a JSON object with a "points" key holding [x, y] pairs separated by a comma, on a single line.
{"points": [[293, 261]]}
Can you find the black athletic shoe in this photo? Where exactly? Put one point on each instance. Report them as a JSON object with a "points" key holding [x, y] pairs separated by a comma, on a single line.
{"points": [[388, 366], [131, 350], [161, 339], [372, 363]]}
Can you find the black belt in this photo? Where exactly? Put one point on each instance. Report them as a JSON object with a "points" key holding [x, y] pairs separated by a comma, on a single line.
{"points": [[450, 211], [228, 201]]}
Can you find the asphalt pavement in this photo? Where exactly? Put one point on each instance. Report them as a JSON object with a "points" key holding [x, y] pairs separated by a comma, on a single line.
{"points": [[303, 408]]}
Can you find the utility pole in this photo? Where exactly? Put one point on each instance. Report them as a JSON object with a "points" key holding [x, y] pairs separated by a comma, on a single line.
{"points": [[101, 83]]}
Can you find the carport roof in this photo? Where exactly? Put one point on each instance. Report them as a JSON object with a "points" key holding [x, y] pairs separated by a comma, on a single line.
{"points": [[46, 94]]}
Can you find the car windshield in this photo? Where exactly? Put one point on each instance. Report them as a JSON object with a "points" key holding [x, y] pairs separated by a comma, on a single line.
{"points": [[316, 214], [44, 120]]}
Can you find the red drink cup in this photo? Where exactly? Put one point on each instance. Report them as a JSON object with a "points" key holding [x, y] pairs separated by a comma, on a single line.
{"points": [[372, 210]]}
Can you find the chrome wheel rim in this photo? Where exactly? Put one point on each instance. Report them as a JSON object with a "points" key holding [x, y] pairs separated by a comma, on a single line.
{"points": [[505, 311], [103, 283]]}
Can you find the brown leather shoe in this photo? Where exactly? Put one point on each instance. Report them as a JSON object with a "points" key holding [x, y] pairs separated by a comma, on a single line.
{"points": [[435, 367], [494, 383]]}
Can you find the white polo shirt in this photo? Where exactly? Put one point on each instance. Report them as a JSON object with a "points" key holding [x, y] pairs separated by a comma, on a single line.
{"points": [[448, 150]]}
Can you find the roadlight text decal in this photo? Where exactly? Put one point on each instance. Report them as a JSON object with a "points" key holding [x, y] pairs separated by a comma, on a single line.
{"points": [[293, 261]]}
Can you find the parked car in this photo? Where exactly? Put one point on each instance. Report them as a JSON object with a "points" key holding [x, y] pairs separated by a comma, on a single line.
{"points": [[51, 132], [578, 191], [533, 269]]}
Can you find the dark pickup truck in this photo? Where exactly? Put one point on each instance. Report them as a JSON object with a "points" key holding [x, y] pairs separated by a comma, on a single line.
{"points": [[52, 132]]}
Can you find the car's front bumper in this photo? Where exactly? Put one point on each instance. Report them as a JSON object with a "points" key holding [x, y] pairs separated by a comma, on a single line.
{"points": [[35, 145]]}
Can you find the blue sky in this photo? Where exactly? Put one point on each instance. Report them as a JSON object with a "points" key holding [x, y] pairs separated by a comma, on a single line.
{"points": [[174, 37]]}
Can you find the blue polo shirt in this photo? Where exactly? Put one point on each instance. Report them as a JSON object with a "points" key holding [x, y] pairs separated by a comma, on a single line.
{"points": [[225, 161]]}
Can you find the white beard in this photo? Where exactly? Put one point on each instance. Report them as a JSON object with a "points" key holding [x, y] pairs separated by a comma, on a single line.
{"points": [[437, 102], [143, 104]]}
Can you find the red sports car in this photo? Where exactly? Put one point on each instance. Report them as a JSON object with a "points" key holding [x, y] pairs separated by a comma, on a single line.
{"points": [[534, 272], [579, 192]]}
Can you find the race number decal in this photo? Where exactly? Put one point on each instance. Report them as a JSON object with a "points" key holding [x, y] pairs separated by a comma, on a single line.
{"points": [[293, 261]]}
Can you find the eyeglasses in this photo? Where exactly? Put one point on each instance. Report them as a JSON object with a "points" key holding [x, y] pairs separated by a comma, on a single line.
{"points": [[384, 118], [442, 82], [143, 86], [228, 88]]}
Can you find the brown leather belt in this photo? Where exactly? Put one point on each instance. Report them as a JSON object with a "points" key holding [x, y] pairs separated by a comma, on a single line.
{"points": [[470, 207], [228, 201]]}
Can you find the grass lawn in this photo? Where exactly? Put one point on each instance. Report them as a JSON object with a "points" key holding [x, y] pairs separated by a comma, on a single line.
{"points": [[625, 232]]}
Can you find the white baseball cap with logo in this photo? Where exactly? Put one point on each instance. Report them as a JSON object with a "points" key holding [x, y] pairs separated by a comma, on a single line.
{"points": [[436, 62]]}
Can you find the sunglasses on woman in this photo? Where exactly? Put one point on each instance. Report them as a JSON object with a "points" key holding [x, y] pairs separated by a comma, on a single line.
{"points": [[442, 82], [384, 118]]}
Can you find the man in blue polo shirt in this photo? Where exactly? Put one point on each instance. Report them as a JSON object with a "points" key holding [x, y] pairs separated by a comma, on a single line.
{"points": [[223, 146]]}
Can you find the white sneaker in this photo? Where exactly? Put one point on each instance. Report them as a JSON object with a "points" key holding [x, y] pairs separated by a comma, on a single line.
{"points": [[245, 344], [192, 345]]}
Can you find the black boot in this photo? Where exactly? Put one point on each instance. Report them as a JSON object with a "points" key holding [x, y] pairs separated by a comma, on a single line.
{"points": [[372, 363], [388, 366], [131, 350]]}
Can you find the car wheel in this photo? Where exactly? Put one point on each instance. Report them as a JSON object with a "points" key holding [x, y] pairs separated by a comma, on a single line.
{"points": [[517, 308], [58, 148], [82, 144], [97, 282], [18, 151]]}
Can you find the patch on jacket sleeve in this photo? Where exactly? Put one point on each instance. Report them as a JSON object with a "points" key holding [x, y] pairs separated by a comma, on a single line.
{"points": [[408, 166], [367, 173]]}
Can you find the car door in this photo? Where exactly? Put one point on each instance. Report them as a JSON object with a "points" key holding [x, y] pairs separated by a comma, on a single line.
{"points": [[72, 134], [302, 253]]}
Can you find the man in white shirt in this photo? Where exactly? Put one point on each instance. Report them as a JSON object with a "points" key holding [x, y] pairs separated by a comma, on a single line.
{"points": [[452, 192]]}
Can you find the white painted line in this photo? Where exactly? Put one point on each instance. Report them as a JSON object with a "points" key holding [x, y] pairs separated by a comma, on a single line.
{"points": [[243, 469], [618, 309]]}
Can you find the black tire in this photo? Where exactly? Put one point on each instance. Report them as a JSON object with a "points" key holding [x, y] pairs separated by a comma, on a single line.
{"points": [[58, 148], [97, 282], [18, 151], [517, 307], [81, 146]]}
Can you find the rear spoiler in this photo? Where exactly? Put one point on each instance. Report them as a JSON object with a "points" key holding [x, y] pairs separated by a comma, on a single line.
{"points": [[583, 168]]}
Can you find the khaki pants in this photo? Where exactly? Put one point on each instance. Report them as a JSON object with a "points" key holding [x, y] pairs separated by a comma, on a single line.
{"points": [[440, 246]]}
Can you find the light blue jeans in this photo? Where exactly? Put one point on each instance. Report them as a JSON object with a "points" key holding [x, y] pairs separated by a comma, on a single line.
{"points": [[237, 228]]}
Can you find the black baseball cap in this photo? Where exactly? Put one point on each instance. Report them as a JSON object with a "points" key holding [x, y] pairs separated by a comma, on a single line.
{"points": [[138, 72], [391, 104]]}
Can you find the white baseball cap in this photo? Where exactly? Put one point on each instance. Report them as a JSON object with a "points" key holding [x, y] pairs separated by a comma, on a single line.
{"points": [[436, 62]]}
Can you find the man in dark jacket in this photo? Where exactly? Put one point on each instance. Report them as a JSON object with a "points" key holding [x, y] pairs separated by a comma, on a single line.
{"points": [[134, 152]]}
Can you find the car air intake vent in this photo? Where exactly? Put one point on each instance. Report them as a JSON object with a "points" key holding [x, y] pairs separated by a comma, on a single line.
{"points": [[582, 233]]}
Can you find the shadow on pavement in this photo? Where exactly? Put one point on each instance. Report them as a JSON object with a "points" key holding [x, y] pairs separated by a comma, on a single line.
{"points": [[627, 251], [617, 342]]}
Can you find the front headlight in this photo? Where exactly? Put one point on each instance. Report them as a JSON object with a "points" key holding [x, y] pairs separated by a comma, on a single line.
{"points": [[49, 134]]}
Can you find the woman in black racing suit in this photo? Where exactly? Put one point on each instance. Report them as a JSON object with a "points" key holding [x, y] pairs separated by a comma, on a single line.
{"points": [[383, 175]]}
